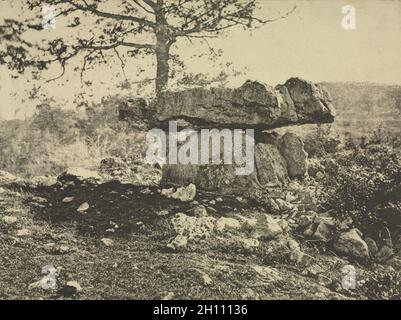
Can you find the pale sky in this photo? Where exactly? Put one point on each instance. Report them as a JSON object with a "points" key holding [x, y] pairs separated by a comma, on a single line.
{"points": [[310, 43]]}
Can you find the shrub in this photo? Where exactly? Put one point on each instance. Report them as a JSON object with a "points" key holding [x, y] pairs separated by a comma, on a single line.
{"points": [[321, 141], [365, 185]]}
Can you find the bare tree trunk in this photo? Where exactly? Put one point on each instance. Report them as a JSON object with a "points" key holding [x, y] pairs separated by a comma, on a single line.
{"points": [[163, 43], [163, 68]]}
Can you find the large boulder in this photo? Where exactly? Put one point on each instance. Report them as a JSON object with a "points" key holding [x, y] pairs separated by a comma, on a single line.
{"points": [[351, 243], [312, 102], [270, 170], [292, 149], [253, 105]]}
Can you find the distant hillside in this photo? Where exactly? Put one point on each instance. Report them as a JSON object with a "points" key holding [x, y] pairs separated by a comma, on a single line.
{"points": [[363, 107]]}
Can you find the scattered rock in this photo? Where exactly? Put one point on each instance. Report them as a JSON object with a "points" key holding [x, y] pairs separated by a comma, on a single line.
{"points": [[184, 194], [305, 220], [192, 228], [266, 228], [273, 206], [38, 200], [293, 245], [283, 224], [162, 213], [323, 232], [6, 178], [70, 289], [43, 181], [9, 219], [35, 285], [83, 207], [249, 294], [199, 211], [179, 242], [107, 242], [61, 249], [133, 169], [267, 273], [68, 199], [168, 296], [249, 243], [373, 249], [284, 205], [75, 285], [351, 243], [205, 278], [23, 233], [385, 253], [227, 223]]}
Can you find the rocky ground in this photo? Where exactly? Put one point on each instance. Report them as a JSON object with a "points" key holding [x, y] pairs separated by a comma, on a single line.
{"points": [[109, 240]]}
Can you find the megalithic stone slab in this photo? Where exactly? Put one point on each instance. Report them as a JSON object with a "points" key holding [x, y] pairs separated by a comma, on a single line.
{"points": [[269, 170], [253, 105]]}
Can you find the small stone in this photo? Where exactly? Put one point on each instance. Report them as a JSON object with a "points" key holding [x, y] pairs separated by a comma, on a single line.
{"points": [[322, 232], [68, 199], [75, 285], [62, 249], [83, 207], [227, 223], [35, 285], [179, 242], [351, 243], [305, 220], [211, 209], [283, 224], [385, 253], [162, 213], [273, 206], [212, 202], [184, 194], [2, 190], [267, 273], [168, 296], [284, 205], [206, 279], [9, 219], [289, 197], [49, 246], [249, 243], [373, 249], [199, 211], [300, 258], [23, 232], [309, 231], [39, 200], [293, 245], [241, 200], [267, 228], [319, 176], [107, 242]]}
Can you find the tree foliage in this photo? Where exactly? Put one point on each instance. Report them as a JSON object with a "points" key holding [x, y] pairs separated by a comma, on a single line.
{"points": [[122, 29]]}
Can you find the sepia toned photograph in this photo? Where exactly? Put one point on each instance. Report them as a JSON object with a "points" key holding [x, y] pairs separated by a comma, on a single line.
{"points": [[219, 150]]}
